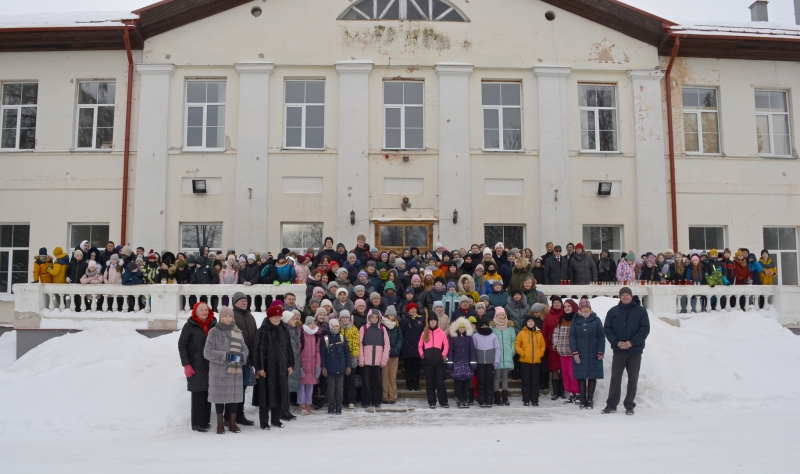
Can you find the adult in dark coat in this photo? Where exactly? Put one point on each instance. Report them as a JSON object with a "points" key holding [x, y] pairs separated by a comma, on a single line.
{"points": [[555, 268], [606, 267], [251, 272], [581, 269], [195, 366], [627, 326], [273, 360], [246, 323], [588, 343], [203, 273], [329, 251], [412, 328]]}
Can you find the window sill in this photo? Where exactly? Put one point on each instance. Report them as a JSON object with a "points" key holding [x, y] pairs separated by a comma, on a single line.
{"points": [[779, 157], [303, 149], [8, 298], [16, 150], [91, 150], [694, 153], [491, 150], [592, 152], [202, 150]]}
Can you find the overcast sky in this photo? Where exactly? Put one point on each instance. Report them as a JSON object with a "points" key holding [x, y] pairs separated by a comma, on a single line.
{"points": [[780, 11]]}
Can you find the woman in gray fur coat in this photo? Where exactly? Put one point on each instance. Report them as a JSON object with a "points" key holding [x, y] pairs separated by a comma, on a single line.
{"points": [[226, 353]]}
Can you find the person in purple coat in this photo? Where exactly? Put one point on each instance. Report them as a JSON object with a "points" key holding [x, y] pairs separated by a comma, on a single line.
{"points": [[487, 352], [462, 360]]}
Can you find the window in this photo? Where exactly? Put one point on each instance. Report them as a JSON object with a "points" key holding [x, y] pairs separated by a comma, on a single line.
{"points": [[18, 110], [772, 123], [96, 234], [599, 238], [196, 236], [403, 115], [205, 115], [14, 261], [502, 116], [598, 108], [435, 10], [781, 242], [700, 120], [512, 236], [706, 238], [305, 114], [399, 235], [96, 115], [300, 236]]}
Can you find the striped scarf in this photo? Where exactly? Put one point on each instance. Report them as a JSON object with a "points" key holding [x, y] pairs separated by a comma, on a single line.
{"points": [[235, 348]]}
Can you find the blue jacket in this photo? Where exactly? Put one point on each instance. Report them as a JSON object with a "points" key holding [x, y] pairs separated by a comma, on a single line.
{"points": [[627, 323], [507, 350], [283, 274], [129, 278], [334, 354], [498, 299], [690, 276], [586, 336]]}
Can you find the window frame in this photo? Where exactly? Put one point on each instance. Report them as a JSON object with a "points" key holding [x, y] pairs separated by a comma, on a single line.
{"points": [[204, 105], [770, 115], [19, 108], [777, 254], [303, 249], [596, 111], [91, 224], [193, 250], [402, 108], [94, 108], [698, 113], [615, 254], [6, 293], [303, 106], [403, 8], [705, 236], [504, 225], [501, 110]]}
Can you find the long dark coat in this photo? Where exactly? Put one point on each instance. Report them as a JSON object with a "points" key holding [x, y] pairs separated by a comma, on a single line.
{"points": [[586, 336], [190, 347], [273, 354], [246, 323]]}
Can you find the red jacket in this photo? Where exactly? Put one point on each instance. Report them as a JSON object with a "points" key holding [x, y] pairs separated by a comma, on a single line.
{"points": [[742, 273]]}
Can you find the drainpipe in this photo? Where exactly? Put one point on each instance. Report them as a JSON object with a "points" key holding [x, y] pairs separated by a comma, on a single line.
{"points": [[127, 153], [670, 132]]}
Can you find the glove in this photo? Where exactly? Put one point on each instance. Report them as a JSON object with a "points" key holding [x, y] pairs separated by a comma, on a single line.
{"points": [[599, 356], [317, 371], [188, 371], [302, 372], [69, 280], [576, 357], [276, 282], [324, 372], [495, 366], [235, 358], [725, 281], [347, 371]]}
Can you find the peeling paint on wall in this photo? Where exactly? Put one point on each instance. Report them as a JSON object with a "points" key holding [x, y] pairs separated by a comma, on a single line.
{"points": [[607, 52], [411, 39]]}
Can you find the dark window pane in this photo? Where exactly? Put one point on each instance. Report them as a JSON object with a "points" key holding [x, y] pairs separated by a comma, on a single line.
{"points": [[510, 94], [708, 98], [79, 233], [294, 116], [413, 93], [391, 236], [315, 92], [28, 119], [315, 116], [4, 261], [12, 94], [392, 92], [215, 92], [99, 236], [608, 141], [315, 138], [87, 93], [295, 92], [106, 92], [294, 137], [587, 96], [762, 100], [490, 94], [195, 92], [788, 268], [9, 138], [4, 282], [416, 236], [607, 121], [194, 117], [214, 137], [194, 136], [787, 238], [10, 118], [588, 141], [439, 7], [19, 261], [105, 116], [512, 236], [30, 94], [215, 115], [512, 140], [715, 238], [18, 278], [415, 13], [690, 99], [771, 238], [414, 138], [6, 235], [414, 117], [491, 139], [606, 96], [491, 119], [512, 119], [492, 234], [21, 235], [86, 117], [393, 138], [27, 139], [697, 238], [105, 138]]}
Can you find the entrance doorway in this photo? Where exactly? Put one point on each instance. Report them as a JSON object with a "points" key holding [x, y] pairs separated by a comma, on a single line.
{"points": [[399, 235]]}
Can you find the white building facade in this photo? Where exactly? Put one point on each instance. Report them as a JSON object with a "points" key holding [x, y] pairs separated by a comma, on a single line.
{"points": [[408, 121]]}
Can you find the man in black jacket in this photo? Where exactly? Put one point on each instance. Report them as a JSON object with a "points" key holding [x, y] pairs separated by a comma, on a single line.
{"points": [[555, 268], [627, 326], [362, 250], [247, 324]]}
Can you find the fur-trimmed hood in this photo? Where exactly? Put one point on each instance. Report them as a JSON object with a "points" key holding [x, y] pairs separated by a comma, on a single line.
{"points": [[471, 283], [455, 324]]}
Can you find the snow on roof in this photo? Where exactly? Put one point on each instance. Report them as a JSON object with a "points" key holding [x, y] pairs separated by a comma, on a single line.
{"points": [[66, 20], [754, 29]]}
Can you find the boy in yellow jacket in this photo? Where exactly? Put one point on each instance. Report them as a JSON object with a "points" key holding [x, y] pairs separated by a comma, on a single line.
{"points": [[530, 347], [40, 266], [59, 269]]}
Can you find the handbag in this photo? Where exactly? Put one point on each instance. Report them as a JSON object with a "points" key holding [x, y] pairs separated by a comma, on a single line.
{"points": [[249, 376]]}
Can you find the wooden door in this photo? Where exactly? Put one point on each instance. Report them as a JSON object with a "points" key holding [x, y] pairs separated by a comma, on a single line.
{"points": [[399, 235]]}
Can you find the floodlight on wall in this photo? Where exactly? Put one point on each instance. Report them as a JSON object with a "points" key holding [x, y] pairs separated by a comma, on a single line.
{"points": [[198, 186], [604, 188], [455, 216], [352, 217]]}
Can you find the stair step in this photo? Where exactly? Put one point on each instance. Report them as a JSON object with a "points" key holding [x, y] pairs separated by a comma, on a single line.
{"points": [[450, 393]]}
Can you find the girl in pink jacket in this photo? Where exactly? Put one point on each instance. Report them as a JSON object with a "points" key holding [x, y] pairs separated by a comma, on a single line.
{"points": [[372, 357], [433, 349], [310, 365]]}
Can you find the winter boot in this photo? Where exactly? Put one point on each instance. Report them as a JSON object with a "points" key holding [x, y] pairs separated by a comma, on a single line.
{"points": [[331, 408], [558, 389], [220, 424], [232, 425], [497, 400], [263, 418], [505, 398], [338, 408], [590, 394], [582, 388]]}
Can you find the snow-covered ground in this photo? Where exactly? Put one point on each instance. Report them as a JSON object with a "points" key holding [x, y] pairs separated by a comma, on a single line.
{"points": [[713, 397]]}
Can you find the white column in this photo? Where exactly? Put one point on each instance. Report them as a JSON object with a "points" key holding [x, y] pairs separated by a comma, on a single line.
{"points": [[150, 197], [651, 180], [455, 186], [353, 166], [252, 163], [555, 223]]}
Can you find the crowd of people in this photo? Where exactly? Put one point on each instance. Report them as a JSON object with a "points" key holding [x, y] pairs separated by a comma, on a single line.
{"points": [[475, 316]]}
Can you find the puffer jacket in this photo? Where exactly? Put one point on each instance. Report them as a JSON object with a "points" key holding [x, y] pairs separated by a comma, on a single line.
{"points": [[374, 349], [249, 274], [395, 337], [59, 269], [471, 293], [450, 300], [353, 339], [627, 323], [487, 348], [516, 310], [40, 274], [518, 275], [581, 269], [507, 338], [412, 332], [436, 348], [586, 337], [462, 353], [111, 276], [530, 346], [498, 298], [335, 354], [310, 357]]}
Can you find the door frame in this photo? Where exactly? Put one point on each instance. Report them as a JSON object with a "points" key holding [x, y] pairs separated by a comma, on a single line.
{"points": [[378, 224]]}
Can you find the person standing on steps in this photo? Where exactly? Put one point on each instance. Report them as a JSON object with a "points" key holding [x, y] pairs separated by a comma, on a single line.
{"points": [[561, 345], [335, 363], [389, 373], [461, 361], [553, 359], [373, 356], [626, 327], [487, 349], [412, 326], [507, 335], [273, 360], [226, 353], [247, 324], [529, 345], [588, 344], [433, 349], [310, 364], [190, 347]]}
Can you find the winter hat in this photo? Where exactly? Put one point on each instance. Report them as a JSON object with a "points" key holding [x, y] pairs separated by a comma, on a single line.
{"points": [[340, 245], [412, 305], [281, 257], [192, 258], [555, 298], [114, 258], [465, 299], [415, 278], [126, 251], [310, 319], [497, 283], [237, 296], [639, 261], [43, 251], [499, 310], [451, 285], [344, 314], [370, 263], [321, 311], [132, 266], [487, 251], [286, 251], [625, 290], [584, 303], [340, 291], [340, 271], [242, 259], [398, 262], [484, 298], [301, 259], [713, 253], [225, 311], [139, 258], [537, 307], [438, 304], [359, 302], [409, 290], [181, 264], [326, 302], [630, 257], [200, 260], [359, 288], [428, 272], [498, 245], [362, 272], [333, 323], [251, 256], [212, 256], [472, 319], [516, 291], [695, 259], [332, 285], [579, 246], [351, 253], [389, 286], [374, 295], [287, 315], [390, 311], [437, 279], [527, 318]]}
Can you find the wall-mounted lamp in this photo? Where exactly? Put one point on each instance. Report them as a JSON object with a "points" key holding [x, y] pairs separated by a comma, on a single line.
{"points": [[604, 188], [455, 216], [352, 217], [198, 186]]}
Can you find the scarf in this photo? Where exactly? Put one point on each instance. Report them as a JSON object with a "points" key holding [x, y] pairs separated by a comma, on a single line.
{"points": [[484, 331], [604, 265], [389, 324], [501, 323], [93, 273], [205, 325], [741, 263], [310, 331], [235, 347]]}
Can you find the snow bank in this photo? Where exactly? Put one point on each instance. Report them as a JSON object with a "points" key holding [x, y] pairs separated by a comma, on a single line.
{"points": [[8, 349], [119, 382]]}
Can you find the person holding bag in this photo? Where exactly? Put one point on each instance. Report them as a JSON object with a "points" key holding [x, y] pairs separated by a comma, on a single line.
{"points": [[191, 345], [226, 353]]}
